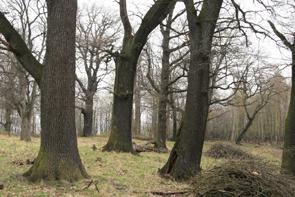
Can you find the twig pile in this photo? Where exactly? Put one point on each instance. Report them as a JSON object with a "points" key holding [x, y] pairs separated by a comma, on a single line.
{"points": [[244, 179], [226, 151]]}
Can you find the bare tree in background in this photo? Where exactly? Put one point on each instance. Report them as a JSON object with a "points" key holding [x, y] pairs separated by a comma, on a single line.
{"points": [[255, 92], [23, 89], [97, 33], [173, 58], [58, 157]]}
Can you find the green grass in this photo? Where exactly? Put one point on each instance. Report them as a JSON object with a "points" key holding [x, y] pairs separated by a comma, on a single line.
{"points": [[116, 174]]}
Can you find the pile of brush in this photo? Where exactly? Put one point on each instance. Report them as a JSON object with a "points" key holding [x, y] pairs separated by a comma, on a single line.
{"points": [[244, 178]]}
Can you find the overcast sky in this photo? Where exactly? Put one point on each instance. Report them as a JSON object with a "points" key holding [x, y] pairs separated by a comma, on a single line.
{"points": [[268, 47]]}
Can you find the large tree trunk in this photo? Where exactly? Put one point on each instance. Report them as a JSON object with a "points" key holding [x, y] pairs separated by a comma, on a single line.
{"points": [[26, 126], [58, 156], [88, 117], [121, 136], [288, 161], [185, 158]]}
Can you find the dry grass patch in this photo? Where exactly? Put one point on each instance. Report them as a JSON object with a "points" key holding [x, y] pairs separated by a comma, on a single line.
{"points": [[114, 174]]}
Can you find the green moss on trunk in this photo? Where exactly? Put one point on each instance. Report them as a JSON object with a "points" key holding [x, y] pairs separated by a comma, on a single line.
{"points": [[52, 167]]}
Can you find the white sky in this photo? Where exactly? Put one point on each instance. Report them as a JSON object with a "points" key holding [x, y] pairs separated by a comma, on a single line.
{"points": [[268, 47]]}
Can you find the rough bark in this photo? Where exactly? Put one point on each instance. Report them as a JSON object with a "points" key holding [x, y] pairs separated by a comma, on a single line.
{"points": [[58, 157], [185, 157], [126, 63]]}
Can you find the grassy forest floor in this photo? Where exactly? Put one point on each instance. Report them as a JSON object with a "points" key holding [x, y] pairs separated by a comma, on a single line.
{"points": [[115, 174]]}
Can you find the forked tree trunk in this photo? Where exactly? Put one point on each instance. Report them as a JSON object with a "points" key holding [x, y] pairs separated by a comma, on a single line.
{"points": [[26, 126], [88, 118], [121, 135], [244, 131], [185, 158], [288, 161], [58, 157]]}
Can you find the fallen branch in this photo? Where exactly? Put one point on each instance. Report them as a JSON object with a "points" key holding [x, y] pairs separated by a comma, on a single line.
{"points": [[92, 182], [162, 193]]}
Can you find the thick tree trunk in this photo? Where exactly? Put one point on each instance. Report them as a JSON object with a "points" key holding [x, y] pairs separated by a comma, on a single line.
{"points": [[121, 136], [185, 158], [26, 126], [88, 117], [288, 160], [58, 157]]}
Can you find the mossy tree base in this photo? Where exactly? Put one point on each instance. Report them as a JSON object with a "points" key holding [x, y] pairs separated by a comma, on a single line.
{"points": [[178, 167], [53, 168], [160, 148], [118, 147], [288, 166]]}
